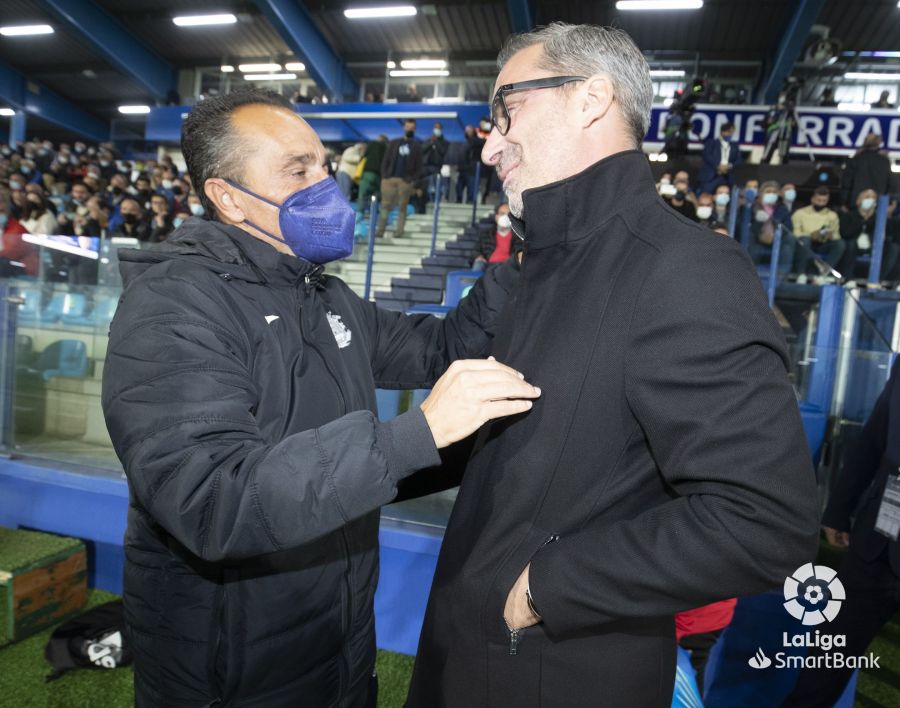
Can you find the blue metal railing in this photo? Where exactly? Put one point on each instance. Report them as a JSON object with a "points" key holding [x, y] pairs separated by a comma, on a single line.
{"points": [[437, 211], [373, 221]]}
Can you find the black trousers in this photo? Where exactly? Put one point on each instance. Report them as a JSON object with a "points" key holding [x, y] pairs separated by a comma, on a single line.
{"points": [[873, 597]]}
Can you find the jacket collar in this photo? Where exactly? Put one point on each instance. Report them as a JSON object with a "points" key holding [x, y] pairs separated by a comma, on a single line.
{"points": [[226, 250], [572, 208]]}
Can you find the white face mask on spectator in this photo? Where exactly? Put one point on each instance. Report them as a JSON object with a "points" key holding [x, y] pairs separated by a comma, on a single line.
{"points": [[503, 222], [704, 212], [867, 203], [769, 198], [167, 184], [723, 199]]}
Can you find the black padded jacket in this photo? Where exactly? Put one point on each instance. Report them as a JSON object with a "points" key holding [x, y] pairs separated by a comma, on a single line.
{"points": [[239, 393]]}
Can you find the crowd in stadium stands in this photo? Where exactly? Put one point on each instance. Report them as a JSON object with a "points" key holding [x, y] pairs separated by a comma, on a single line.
{"points": [[818, 231], [83, 190]]}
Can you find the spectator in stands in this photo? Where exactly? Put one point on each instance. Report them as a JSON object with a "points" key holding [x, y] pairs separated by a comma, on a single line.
{"points": [[434, 152], [194, 205], [370, 182], [411, 95], [346, 171], [720, 156], [680, 201], [143, 191], [133, 224], [469, 157], [17, 256], [706, 209], [107, 164], [78, 197], [788, 195], [817, 230], [857, 229], [401, 170], [767, 213], [497, 245], [827, 100], [37, 217], [117, 189], [884, 101], [870, 571], [748, 193], [94, 220], [868, 169], [160, 218], [721, 200]]}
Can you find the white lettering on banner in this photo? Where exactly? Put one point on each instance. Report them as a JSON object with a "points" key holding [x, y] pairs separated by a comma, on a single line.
{"points": [[809, 130], [893, 140], [738, 121], [840, 127], [703, 133], [661, 130], [755, 125], [871, 125], [722, 119]]}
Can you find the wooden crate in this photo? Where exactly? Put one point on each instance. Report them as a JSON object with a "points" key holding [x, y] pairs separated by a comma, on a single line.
{"points": [[43, 581]]}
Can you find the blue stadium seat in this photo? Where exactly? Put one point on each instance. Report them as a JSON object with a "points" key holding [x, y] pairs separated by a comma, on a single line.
{"points": [[388, 403], [30, 309], [66, 358], [100, 316], [686, 694], [63, 304], [458, 284]]}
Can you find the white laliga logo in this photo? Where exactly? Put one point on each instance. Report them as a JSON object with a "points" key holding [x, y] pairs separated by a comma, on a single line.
{"points": [[759, 660], [814, 581], [341, 332]]}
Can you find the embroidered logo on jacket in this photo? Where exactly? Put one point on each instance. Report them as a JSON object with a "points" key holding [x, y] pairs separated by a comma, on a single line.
{"points": [[342, 334]]}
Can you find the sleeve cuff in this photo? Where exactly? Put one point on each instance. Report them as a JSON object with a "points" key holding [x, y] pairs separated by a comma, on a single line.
{"points": [[407, 444]]}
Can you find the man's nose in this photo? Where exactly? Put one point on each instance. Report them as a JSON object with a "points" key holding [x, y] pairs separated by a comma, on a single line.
{"points": [[493, 147]]}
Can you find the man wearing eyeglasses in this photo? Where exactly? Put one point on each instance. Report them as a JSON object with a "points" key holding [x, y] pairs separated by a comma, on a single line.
{"points": [[664, 467]]}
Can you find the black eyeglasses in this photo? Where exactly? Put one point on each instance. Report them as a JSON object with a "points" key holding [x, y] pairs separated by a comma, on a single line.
{"points": [[499, 111]]}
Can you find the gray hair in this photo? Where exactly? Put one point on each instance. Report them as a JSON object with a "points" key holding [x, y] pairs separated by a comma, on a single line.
{"points": [[586, 50]]}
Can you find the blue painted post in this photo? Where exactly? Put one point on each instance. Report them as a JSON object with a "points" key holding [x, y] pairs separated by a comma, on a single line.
{"points": [[823, 367], [373, 221], [773, 266], [745, 224], [437, 210], [17, 125], [733, 206], [477, 189], [878, 240]]}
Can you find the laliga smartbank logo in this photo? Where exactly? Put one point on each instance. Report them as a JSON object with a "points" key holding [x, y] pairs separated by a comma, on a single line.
{"points": [[813, 594]]}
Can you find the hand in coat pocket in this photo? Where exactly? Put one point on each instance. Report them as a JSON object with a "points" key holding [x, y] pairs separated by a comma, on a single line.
{"points": [[517, 613]]}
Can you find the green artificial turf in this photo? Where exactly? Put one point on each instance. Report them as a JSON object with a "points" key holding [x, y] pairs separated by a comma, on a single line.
{"points": [[20, 549], [23, 669]]}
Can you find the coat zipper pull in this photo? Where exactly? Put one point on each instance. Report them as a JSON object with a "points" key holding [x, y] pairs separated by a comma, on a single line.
{"points": [[513, 642]]}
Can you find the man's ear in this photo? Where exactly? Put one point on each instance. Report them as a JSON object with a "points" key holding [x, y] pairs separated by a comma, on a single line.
{"points": [[598, 99], [219, 193]]}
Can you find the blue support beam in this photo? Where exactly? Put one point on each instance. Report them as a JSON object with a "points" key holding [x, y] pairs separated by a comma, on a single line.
{"points": [[17, 125], [36, 100], [521, 15], [116, 44], [801, 16], [292, 21]]}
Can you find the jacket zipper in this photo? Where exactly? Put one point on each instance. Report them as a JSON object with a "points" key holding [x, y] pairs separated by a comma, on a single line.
{"points": [[346, 607], [515, 635]]}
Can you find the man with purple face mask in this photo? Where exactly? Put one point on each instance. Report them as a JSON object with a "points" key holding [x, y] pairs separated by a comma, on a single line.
{"points": [[239, 393]]}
